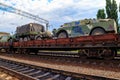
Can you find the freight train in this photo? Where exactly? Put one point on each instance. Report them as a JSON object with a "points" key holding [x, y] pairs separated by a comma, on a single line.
{"points": [[101, 46], [94, 38]]}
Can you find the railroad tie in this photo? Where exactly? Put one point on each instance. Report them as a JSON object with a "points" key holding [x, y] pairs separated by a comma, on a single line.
{"points": [[68, 78], [28, 71], [22, 69], [54, 77], [34, 72], [17, 67], [40, 76]]}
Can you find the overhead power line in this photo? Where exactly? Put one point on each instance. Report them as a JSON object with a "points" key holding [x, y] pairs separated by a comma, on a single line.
{"points": [[11, 9]]}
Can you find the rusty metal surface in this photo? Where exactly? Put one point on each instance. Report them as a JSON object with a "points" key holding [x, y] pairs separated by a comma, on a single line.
{"points": [[79, 42], [72, 42]]}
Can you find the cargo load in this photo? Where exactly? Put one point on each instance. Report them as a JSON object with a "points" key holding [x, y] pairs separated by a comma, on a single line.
{"points": [[31, 31]]}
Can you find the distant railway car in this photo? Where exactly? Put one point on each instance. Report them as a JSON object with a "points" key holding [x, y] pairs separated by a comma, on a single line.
{"points": [[86, 27]]}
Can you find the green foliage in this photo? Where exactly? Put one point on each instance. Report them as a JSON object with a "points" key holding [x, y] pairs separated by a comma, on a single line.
{"points": [[101, 14], [119, 7], [112, 10], [108, 8]]}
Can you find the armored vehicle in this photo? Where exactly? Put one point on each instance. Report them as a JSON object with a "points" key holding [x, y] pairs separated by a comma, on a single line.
{"points": [[31, 31], [86, 27]]}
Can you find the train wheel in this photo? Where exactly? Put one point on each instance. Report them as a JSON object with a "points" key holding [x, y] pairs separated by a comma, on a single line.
{"points": [[98, 31], [81, 53], [23, 51], [28, 51], [93, 53], [36, 52], [19, 51], [10, 51], [109, 54], [62, 35]]}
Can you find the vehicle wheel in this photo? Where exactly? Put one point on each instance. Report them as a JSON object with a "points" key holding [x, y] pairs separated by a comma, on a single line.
{"points": [[21, 40], [62, 35], [25, 39], [38, 38], [109, 54], [32, 37], [98, 31]]}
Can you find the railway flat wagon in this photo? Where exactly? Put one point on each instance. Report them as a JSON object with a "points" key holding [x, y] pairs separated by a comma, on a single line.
{"points": [[91, 46]]}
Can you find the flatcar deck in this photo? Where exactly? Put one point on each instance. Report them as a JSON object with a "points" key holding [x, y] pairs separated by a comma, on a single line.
{"points": [[98, 41], [96, 45]]}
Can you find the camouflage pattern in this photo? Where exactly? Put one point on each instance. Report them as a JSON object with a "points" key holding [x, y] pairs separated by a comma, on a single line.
{"points": [[31, 31], [84, 27], [4, 37]]}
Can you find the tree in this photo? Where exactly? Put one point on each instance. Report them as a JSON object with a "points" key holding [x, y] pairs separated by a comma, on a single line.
{"points": [[108, 8], [112, 10], [101, 14], [119, 7]]}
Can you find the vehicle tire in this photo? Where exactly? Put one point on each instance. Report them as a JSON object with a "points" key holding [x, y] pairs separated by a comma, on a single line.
{"points": [[25, 39], [38, 38], [21, 39], [62, 35], [32, 37], [98, 31]]}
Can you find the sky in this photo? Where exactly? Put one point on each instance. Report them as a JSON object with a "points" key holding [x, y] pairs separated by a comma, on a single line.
{"points": [[57, 12]]}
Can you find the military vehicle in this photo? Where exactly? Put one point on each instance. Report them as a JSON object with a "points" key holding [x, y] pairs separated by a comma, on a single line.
{"points": [[4, 37], [31, 31], [86, 27]]}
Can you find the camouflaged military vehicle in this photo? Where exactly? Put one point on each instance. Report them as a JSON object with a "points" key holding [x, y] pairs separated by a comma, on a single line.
{"points": [[4, 37], [31, 31], [86, 27]]}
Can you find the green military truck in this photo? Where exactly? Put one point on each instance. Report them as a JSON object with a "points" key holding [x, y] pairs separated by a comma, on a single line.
{"points": [[31, 31], [86, 27]]}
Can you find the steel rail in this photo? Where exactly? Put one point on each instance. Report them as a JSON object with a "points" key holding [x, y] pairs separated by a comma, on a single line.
{"points": [[20, 71]]}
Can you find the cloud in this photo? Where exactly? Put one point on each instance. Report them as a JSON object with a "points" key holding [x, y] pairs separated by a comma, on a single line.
{"points": [[57, 12]]}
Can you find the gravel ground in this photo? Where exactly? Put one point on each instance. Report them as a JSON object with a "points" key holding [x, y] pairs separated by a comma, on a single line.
{"points": [[65, 67], [4, 76]]}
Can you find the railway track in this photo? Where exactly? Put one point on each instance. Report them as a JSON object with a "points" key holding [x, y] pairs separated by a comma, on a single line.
{"points": [[31, 72], [71, 58]]}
